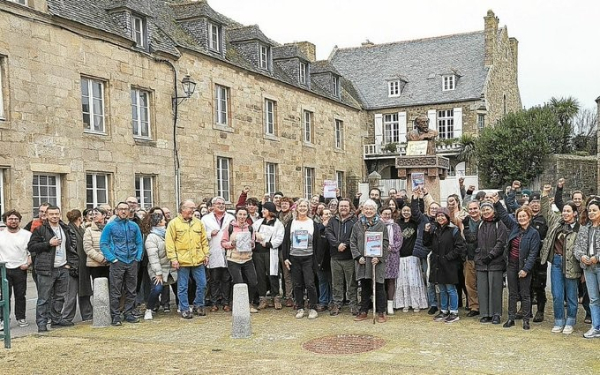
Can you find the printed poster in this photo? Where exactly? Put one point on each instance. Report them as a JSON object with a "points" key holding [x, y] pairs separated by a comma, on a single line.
{"points": [[243, 242], [373, 244], [329, 189], [418, 180], [300, 240]]}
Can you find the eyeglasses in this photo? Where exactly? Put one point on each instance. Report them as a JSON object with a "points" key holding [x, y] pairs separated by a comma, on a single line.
{"points": [[122, 209]]}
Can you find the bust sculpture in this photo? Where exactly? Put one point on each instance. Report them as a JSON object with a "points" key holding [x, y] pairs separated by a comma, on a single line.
{"points": [[421, 132]]}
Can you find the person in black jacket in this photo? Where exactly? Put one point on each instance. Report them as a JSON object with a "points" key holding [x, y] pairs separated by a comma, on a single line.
{"points": [[338, 233], [490, 264], [55, 246], [447, 249]]}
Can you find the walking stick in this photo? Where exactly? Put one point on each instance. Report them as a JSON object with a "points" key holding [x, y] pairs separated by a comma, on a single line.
{"points": [[374, 299]]}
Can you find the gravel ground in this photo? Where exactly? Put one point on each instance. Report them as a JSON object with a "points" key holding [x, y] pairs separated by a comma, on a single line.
{"points": [[413, 344]]}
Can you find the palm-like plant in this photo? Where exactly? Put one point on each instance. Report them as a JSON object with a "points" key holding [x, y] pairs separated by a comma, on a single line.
{"points": [[467, 148]]}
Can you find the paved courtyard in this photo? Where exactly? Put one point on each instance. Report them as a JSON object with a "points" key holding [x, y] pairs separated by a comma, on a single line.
{"points": [[408, 343]]}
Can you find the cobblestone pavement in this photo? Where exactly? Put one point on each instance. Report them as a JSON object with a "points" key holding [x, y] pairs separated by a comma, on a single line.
{"points": [[412, 343]]}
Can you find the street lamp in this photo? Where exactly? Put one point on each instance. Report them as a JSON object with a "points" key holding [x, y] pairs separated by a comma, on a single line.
{"points": [[189, 86]]}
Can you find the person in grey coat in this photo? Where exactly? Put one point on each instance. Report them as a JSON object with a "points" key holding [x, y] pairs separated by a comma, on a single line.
{"points": [[369, 221]]}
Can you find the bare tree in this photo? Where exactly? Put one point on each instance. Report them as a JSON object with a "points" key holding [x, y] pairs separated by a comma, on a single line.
{"points": [[585, 131]]}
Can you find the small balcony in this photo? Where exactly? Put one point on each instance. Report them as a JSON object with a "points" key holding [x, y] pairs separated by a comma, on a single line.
{"points": [[392, 150]]}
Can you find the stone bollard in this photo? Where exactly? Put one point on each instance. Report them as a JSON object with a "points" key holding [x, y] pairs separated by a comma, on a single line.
{"points": [[241, 327], [101, 303]]}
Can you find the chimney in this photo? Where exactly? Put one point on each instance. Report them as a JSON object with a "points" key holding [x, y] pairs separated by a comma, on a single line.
{"points": [[308, 49], [491, 36], [367, 43]]}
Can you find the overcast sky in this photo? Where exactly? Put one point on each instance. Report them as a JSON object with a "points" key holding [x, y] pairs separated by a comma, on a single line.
{"points": [[559, 41]]}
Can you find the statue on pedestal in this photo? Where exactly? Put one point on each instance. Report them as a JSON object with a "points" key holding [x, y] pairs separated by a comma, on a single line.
{"points": [[423, 133]]}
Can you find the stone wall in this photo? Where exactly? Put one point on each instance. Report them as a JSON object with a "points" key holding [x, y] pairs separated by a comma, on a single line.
{"points": [[580, 173]]}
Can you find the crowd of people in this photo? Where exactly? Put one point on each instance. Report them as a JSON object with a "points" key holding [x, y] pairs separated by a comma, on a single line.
{"points": [[317, 255]]}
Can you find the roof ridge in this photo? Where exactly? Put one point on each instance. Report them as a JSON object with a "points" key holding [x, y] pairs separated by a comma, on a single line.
{"points": [[413, 40]]}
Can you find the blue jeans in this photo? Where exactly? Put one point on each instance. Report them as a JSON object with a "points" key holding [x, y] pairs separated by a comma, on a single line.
{"points": [[155, 292], [183, 276], [592, 279], [324, 278], [448, 292], [431, 299], [563, 288]]}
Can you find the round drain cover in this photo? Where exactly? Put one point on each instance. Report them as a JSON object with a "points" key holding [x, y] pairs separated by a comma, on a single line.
{"points": [[344, 344]]}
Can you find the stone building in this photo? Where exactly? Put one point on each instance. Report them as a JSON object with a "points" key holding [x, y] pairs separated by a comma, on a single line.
{"points": [[88, 115], [462, 82]]}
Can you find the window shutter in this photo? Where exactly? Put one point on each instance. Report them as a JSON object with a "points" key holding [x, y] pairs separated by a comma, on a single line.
{"points": [[457, 122], [402, 126], [432, 119], [378, 128]]}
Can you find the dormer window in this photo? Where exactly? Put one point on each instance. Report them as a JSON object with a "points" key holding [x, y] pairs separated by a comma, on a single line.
{"points": [[302, 73], [138, 31], [335, 86], [214, 37], [264, 56], [393, 88], [448, 82]]}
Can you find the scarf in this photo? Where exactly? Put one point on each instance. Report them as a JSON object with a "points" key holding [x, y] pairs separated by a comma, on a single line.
{"points": [[390, 229], [159, 231], [368, 223]]}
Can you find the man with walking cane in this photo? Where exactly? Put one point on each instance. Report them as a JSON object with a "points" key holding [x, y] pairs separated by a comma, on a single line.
{"points": [[369, 243]]}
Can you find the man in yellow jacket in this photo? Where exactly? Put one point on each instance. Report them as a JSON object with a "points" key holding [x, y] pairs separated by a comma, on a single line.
{"points": [[187, 248]]}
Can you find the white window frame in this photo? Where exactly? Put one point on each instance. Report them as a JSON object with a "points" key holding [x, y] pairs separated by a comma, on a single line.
{"points": [[222, 105], [2, 207], [224, 178], [138, 110], [96, 181], [480, 121], [39, 198], [271, 177], [270, 117], [445, 123], [448, 82], [309, 182], [214, 37], [264, 56], [339, 134], [336, 86], [302, 72], [339, 177], [391, 128], [138, 31], [144, 189], [307, 126], [22, 2], [393, 89], [95, 106]]}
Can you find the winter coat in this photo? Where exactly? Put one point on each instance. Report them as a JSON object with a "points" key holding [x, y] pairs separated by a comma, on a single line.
{"points": [[447, 250], [158, 261], [392, 262], [570, 264], [186, 242], [582, 245], [121, 240], [217, 257], [529, 246], [357, 246], [339, 231], [85, 281], [277, 235], [322, 252], [233, 255], [491, 243], [91, 246], [470, 236], [420, 249], [39, 244]]}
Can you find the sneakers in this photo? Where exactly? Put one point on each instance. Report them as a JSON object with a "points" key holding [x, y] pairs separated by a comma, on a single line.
{"points": [[335, 311], [1, 325], [21, 322], [451, 318], [277, 303], [300, 314], [587, 319], [557, 329], [416, 310], [405, 310], [115, 322], [568, 330], [132, 319], [390, 307], [44, 328], [440, 317], [148, 315], [592, 333], [166, 309], [263, 304], [253, 309], [312, 314], [187, 315], [432, 310], [200, 311], [360, 317]]}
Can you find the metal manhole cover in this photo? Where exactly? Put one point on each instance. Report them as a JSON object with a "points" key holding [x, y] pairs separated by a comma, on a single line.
{"points": [[344, 344]]}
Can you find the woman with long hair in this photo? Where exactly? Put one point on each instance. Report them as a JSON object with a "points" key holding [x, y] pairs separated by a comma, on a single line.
{"points": [[80, 284], [392, 262]]}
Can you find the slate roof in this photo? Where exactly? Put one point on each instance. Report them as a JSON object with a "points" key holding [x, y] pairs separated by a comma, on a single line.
{"points": [[323, 66], [419, 62], [168, 35]]}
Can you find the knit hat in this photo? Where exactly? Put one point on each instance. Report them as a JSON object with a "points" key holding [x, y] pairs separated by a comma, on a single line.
{"points": [[486, 204], [278, 193], [445, 211], [270, 206], [534, 197]]}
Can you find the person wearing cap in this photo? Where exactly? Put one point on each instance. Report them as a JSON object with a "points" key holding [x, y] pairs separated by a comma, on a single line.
{"points": [[489, 262], [269, 233], [447, 248], [523, 248], [95, 260]]}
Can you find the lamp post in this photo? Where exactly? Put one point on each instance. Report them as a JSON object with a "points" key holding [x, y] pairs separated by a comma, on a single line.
{"points": [[189, 86]]}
